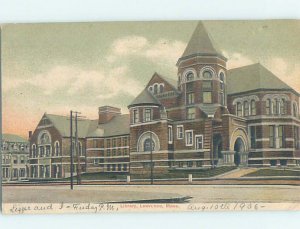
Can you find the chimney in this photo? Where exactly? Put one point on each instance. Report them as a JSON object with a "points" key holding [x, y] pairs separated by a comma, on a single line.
{"points": [[106, 113], [29, 134]]}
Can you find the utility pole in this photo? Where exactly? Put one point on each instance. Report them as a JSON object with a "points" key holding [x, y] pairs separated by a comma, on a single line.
{"points": [[71, 148], [77, 151]]}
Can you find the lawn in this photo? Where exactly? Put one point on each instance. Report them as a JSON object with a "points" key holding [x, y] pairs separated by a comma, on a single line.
{"points": [[273, 172]]}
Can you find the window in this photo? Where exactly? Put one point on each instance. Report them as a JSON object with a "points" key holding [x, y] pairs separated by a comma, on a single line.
{"points": [[96, 161], [189, 76], [149, 145], [190, 164], [80, 152], [296, 137], [108, 167], [191, 113], [45, 138], [222, 78], [268, 107], [239, 109], [199, 141], [222, 98], [207, 97], [114, 152], [119, 152], [108, 143], [15, 159], [150, 89], [125, 141], [179, 132], [135, 116], [170, 134], [114, 142], [124, 167], [125, 152], [147, 115], [119, 167], [275, 106], [57, 149], [113, 167], [108, 153], [189, 86], [189, 138], [22, 172], [48, 149], [34, 153], [161, 88], [253, 137], [281, 136], [282, 106], [22, 160], [190, 98], [42, 151], [272, 136], [246, 108], [207, 74], [206, 85], [295, 110], [155, 89], [253, 107], [15, 173]]}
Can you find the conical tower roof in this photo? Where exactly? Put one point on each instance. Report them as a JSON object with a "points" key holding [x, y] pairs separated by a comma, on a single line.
{"points": [[201, 43]]}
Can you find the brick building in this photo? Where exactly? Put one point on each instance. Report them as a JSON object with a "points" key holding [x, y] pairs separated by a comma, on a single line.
{"points": [[209, 116], [15, 152]]}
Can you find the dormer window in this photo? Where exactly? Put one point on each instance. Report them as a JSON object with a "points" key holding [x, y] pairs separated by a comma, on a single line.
{"points": [[155, 89], [150, 89], [161, 88]]}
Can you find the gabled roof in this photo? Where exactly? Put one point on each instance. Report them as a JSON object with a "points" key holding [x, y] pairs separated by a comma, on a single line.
{"points": [[201, 43], [170, 81], [119, 125], [13, 138], [62, 124], [253, 77], [145, 98]]}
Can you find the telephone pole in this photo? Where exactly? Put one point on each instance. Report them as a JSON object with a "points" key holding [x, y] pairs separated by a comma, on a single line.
{"points": [[71, 148], [77, 149]]}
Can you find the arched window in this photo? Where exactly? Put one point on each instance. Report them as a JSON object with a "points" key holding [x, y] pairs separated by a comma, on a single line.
{"points": [[239, 109], [246, 108], [34, 150], [155, 89], [222, 81], [268, 107], [44, 139], [161, 88], [295, 110], [189, 76], [275, 106], [57, 148], [282, 106], [207, 74], [147, 145], [150, 89], [253, 107]]}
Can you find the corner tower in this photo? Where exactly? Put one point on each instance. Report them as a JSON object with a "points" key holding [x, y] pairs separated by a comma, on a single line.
{"points": [[202, 71]]}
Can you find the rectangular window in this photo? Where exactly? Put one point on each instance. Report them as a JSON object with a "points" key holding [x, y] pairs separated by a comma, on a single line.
{"points": [[281, 136], [179, 132], [94, 143], [170, 134], [189, 138], [268, 107], [96, 161], [108, 153], [125, 141], [253, 137], [114, 152], [15, 159], [207, 85], [246, 108], [239, 109], [222, 99], [114, 142], [199, 141], [191, 113], [189, 86], [107, 143], [296, 137], [190, 164], [190, 98], [148, 115], [135, 116], [108, 167], [22, 160], [125, 152], [272, 136], [253, 107], [207, 97]]}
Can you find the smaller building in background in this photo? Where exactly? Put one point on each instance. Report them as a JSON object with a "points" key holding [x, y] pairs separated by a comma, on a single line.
{"points": [[15, 152]]}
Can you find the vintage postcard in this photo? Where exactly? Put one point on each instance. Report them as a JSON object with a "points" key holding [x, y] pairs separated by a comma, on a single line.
{"points": [[150, 116]]}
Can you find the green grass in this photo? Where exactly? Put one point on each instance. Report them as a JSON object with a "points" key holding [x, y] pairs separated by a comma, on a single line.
{"points": [[100, 176], [273, 172]]}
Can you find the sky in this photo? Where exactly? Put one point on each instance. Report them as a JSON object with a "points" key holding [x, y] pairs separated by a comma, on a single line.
{"points": [[57, 67]]}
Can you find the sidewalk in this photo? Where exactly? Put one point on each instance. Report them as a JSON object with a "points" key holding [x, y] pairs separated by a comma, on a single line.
{"points": [[237, 173]]}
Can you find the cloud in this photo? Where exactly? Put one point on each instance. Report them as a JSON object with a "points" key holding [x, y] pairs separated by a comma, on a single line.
{"points": [[161, 51], [236, 60]]}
